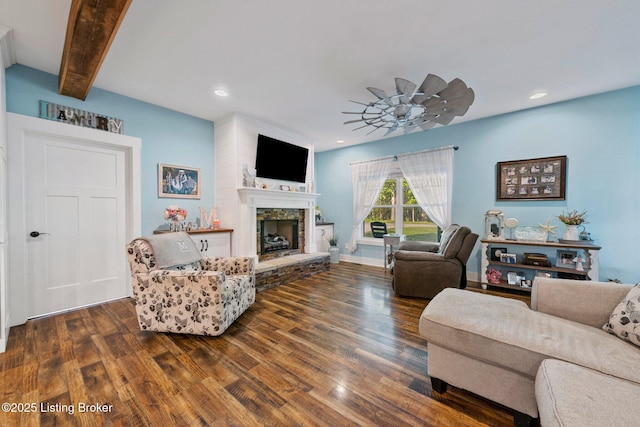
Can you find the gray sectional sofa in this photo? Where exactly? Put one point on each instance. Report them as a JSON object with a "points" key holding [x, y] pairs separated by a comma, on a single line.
{"points": [[538, 361]]}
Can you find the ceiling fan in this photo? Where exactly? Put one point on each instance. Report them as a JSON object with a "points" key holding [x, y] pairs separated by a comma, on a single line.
{"points": [[415, 107]]}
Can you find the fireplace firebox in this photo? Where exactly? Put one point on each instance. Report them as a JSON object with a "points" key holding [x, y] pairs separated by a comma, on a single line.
{"points": [[278, 235]]}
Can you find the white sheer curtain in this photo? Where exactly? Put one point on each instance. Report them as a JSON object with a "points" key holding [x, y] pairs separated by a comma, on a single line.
{"points": [[367, 178], [430, 177]]}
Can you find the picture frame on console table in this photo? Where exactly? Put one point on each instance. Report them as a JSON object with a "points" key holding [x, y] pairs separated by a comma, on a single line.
{"points": [[179, 182], [544, 178]]}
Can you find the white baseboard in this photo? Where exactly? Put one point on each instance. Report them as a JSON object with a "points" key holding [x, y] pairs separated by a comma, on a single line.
{"points": [[373, 262], [472, 276]]}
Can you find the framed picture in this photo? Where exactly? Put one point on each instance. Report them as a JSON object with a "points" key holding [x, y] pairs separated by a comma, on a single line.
{"points": [[513, 278], [508, 258], [496, 253], [564, 259], [532, 179], [180, 182]]}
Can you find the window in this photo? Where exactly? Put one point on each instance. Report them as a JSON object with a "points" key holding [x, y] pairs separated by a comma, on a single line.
{"points": [[397, 207]]}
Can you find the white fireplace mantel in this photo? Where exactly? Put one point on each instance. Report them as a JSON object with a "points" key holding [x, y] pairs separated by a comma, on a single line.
{"points": [[257, 197], [253, 198]]}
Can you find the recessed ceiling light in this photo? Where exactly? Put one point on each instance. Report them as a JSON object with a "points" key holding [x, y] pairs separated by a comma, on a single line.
{"points": [[221, 92], [340, 141], [538, 95]]}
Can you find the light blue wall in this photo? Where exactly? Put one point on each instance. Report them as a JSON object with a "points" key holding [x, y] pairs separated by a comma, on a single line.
{"points": [[167, 136], [599, 134]]}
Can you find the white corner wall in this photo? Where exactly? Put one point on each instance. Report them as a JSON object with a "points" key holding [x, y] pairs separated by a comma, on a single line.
{"points": [[235, 144]]}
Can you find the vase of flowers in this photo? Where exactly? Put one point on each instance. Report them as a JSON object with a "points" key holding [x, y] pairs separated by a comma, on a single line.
{"points": [[572, 220], [334, 250], [175, 216]]}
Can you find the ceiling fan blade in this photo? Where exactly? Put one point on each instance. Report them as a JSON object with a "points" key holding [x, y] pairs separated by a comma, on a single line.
{"points": [[362, 103], [409, 129], [391, 129], [360, 127], [353, 121], [443, 119], [351, 112], [455, 89], [432, 102], [405, 87], [426, 125], [375, 129], [381, 95], [432, 84], [435, 106], [456, 111], [461, 101], [465, 99]]}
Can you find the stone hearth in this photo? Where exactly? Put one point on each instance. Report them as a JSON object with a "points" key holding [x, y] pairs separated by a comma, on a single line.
{"points": [[278, 271]]}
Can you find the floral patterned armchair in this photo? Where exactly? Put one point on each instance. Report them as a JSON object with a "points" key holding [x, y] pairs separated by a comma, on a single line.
{"points": [[203, 299]]}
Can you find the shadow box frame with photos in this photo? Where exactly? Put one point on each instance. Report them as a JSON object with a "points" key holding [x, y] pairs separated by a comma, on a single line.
{"points": [[543, 178], [179, 182]]}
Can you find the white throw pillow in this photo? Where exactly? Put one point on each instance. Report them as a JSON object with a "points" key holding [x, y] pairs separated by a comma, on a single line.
{"points": [[625, 319]]}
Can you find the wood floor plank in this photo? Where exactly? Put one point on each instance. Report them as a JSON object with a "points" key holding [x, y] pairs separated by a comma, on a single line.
{"points": [[334, 349]]}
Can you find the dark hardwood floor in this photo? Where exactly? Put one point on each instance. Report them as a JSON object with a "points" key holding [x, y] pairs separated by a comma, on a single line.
{"points": [[333, 349]]}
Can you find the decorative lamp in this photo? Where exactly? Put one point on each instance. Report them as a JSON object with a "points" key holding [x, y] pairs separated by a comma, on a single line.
{"points": [[494, 225]]}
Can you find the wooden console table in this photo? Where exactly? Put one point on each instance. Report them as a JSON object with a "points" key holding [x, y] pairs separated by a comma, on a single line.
{"points": [[590, 254]]}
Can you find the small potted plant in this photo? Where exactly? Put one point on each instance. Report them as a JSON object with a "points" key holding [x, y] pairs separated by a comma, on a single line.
{"points": [[572, 220], [334, 251]]}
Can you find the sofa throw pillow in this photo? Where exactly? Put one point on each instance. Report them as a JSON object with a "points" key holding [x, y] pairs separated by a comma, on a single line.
{"points": [[446, 236], [625, 319]]}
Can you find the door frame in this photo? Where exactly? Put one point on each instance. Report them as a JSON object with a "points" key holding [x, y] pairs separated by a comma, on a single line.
{"points": [[19, 126]]}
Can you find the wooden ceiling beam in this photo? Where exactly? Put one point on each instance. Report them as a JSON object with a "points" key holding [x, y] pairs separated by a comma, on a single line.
{"points": [[92, 26]]}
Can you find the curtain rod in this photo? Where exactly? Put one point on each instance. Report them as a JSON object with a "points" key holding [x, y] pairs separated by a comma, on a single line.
{"points": [[395, 157]]}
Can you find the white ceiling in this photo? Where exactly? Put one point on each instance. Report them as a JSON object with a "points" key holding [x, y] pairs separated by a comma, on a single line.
{"points": [[297, 63]]}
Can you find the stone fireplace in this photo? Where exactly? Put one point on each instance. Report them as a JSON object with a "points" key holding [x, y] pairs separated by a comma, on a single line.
{"points": [[277, 213]]}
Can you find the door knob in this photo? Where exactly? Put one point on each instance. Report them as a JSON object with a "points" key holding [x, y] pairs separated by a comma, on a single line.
{"points": [[36, 233]]}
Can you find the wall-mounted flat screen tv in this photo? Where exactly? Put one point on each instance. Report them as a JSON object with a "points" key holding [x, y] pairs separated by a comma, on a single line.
{"points": [[277, 159]]}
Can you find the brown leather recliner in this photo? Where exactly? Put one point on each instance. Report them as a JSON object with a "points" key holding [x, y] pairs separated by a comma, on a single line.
{"points": [[423, 269]]}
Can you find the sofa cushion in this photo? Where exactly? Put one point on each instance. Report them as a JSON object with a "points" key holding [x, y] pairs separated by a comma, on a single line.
{"points": [[447, 233], [570, 395], [507, 333], [625, 319]]}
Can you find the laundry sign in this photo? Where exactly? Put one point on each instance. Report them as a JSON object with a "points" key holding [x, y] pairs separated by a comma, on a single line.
{"points": [[74, 116]]}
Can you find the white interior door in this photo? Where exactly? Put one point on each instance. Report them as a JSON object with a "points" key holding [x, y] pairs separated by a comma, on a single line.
{"points": [[74, 202], [75, 199]]}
